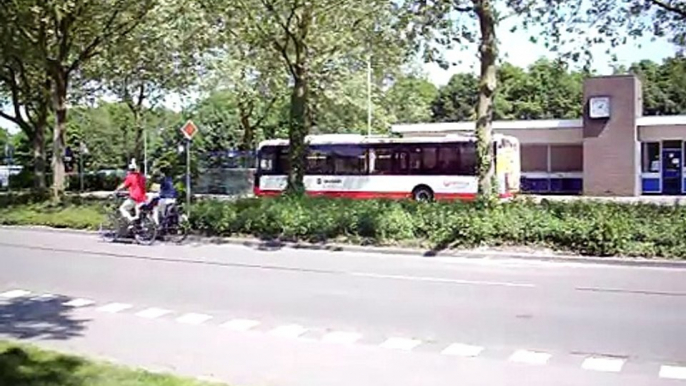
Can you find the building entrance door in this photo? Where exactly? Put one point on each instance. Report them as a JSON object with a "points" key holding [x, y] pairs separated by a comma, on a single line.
{"points": [[671, 171]]}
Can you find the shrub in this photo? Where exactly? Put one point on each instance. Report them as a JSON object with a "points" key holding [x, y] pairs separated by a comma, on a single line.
{"points": [[585, 227]]}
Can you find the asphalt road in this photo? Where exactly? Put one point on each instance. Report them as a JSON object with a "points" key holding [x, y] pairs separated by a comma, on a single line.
{"points": [[295, 317]]}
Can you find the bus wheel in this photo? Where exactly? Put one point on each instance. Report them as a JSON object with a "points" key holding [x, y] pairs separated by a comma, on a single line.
{"points": [[423, 194]]}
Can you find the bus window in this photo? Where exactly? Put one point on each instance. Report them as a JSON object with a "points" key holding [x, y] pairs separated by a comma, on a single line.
{"points": [[319, 161], [401, 162], [381, 161], [349, 160], [430, 160], [467, 163], [415, 160], [283, 165], [266, 164], [449, 161]]}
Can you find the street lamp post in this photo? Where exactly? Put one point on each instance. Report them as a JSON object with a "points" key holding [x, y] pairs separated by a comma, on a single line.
{"points": [[83, 151]]}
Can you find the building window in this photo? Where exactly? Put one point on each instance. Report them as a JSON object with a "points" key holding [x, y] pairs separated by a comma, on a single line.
{"points": [[566, 158], [650, 157], [534, 158]]}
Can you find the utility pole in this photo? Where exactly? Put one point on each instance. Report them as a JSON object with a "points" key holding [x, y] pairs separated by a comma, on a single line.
{"points": [[369, 95]]}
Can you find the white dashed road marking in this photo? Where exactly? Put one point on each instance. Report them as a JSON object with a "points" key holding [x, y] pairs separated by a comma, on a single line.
{"points": [[288, 331], [241, 324], [341, 337], [530, 357], [13, 294], [152, 313], [113, 308], [673, 372], [193, 318], [462, 350], [610, 365], [442, 280], [46, 297], [79, 303], [403, 344]]}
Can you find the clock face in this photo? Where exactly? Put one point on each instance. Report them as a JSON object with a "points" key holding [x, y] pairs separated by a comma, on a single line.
{"points": [[599, 107]]}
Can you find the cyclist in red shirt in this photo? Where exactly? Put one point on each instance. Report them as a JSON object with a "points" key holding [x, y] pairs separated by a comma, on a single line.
{"points": [[135, 182]]}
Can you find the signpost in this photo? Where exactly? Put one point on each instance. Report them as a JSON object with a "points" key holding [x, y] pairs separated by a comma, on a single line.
{"points": [[189, 130], [9, 154]]}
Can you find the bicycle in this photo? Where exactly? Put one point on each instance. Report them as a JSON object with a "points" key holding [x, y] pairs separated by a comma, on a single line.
{"points": [[115, 227], [174, 224]]}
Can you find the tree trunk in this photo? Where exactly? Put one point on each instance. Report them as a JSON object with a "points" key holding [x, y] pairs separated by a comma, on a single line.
{"points": [[487, 86], [248, 130], [38, 149], [298, 129], [58, 142], [138, 145]]}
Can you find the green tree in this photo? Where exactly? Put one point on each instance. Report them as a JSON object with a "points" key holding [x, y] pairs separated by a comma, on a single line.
{"points": [[341, 106], [457, 100], [674, 75], [572, 28], [314, 40], [409, 99], [161, 56], [61, 37], [25, 90], [449, 23], [546, 91], [4, 137], [252, 83]]}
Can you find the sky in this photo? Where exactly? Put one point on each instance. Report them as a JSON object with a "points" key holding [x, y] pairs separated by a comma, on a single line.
{"points": [[515, 48]]}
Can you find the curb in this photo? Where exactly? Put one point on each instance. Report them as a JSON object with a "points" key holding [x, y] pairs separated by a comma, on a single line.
{"points": [[419, 253]]}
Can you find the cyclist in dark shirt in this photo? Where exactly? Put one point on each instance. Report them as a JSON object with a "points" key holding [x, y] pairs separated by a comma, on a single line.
{"points": [[167, 194]]}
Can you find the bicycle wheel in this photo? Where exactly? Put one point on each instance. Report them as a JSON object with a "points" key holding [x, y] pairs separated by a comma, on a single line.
{"points": [[176, 227], [145, 231], [109, 228]]}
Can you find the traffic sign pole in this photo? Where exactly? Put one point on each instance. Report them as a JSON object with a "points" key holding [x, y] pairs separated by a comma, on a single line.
{"points": [[188, 177], [189, 130]]}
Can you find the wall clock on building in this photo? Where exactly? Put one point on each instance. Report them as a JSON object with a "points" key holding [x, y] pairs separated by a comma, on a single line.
{"points": [[599, 107]]}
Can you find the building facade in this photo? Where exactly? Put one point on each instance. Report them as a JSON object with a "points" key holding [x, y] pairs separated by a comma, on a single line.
{"points": [[612, 151]]}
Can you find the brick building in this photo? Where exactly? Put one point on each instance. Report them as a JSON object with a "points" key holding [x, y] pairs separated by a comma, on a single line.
{"points": [[613, 150]]}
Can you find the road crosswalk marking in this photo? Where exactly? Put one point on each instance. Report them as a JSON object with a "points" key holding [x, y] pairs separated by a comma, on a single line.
{"points": [[79, 302], [402, 344], [611, 365], [530, 357], [288, 331], [192, 318], [241, 324], [673, 372], [13, 294], [341, 337], [113, 308], [462, 350], [153, 313]]}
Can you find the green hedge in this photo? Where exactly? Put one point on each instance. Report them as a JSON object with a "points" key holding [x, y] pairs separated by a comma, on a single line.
{"points": [[593, 228], [36, 209]]}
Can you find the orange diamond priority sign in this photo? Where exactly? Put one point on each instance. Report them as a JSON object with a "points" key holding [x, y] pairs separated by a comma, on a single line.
{"points": [[189, 129]]}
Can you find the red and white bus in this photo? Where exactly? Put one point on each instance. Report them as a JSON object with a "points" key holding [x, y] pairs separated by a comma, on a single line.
{"points": [[356, 166]]}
